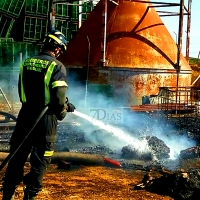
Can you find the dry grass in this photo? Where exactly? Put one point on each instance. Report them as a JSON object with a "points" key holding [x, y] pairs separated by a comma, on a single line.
{"points": [[92, 183]]}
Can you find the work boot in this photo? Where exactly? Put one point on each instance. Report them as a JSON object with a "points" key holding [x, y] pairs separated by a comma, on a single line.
{"points": [[29, 195], [9, 194], [8, 198]]}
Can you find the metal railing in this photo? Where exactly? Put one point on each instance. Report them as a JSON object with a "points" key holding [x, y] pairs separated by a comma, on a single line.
{"points": [[180, 106]]}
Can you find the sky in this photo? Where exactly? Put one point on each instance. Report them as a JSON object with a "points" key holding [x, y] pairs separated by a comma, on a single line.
{"points": [[172, 24]]}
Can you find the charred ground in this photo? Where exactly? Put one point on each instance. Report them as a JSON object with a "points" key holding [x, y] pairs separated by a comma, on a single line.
{"points": [[106, 182]]}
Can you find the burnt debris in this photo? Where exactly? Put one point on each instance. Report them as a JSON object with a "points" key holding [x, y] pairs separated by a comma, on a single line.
{"points": [[99, 150], [129, 152], [156, 149], [178, 185], [190, 153]]}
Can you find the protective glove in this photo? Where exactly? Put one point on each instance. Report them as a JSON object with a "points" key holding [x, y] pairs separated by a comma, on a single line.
{"points": [[70, 106], [62, 115]]}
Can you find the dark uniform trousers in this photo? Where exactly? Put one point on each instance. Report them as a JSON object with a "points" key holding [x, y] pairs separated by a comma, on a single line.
{"points": [[40, 144]]}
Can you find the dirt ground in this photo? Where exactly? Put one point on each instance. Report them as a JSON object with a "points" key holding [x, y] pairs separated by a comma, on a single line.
{"points": [[91, 183]]}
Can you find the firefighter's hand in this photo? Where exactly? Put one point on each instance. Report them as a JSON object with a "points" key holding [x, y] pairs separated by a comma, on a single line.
{"points": [[70, 107], [61, 115]]}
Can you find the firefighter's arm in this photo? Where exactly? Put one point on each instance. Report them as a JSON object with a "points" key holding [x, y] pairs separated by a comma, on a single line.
{"points": [[59, 88], [58, 102]]}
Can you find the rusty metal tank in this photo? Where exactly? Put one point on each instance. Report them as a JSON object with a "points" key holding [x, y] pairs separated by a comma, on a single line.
{"points": [[140, 54]]}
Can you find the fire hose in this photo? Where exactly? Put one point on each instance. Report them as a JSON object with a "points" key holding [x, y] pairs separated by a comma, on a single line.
{"points": [[10, 156]]}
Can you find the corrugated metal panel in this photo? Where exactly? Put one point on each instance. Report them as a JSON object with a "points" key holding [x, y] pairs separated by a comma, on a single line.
{"points": [[62, 10], [23, 50], [11, 53], [34, 29], [87, 7], [11, 7], [73, 12], [31, 50], [73, 30], [69, 29], [6, 25], [9, 84], [6, 52], [37, 7], [63, 26]]}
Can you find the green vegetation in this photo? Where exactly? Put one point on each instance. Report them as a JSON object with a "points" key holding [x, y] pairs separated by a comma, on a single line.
{"points": [[194, 61]]}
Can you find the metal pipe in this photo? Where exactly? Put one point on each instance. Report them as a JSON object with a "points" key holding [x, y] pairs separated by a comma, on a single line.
{"points": [[179, 46], [195, 80], [87, 77], [180, 29], [20, 57], [52, 16], [176, 36], [188, 30], [80, 14], [114, 2], [5, 98], [104, 30], [156, 2]]}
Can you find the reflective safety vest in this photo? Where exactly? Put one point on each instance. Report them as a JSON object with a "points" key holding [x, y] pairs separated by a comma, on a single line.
{"points": [[39, 65]]}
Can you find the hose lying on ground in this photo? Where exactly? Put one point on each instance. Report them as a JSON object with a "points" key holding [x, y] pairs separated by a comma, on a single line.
{"points": [[72, 157]]}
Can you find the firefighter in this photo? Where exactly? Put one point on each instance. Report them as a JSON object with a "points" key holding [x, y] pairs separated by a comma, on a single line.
{"points": [[42, 81]]}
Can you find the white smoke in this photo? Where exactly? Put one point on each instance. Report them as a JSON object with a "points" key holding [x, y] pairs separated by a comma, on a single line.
{"points": [[133, 128], [124, 137]]}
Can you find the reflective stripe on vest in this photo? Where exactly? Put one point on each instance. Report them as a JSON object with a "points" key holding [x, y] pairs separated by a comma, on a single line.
{"points": [[47, 79], [59, 83], [23, 96], [48, 153]]}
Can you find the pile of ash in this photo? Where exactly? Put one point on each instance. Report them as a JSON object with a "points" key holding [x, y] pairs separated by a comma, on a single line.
{"points": [[178, 185]]}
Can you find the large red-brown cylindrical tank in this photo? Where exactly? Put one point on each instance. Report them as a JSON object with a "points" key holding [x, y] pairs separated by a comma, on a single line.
{"points": [[140, 54]]}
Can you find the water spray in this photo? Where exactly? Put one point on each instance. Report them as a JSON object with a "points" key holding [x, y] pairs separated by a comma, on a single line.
{"points": [[118, 133], [139, 145]]}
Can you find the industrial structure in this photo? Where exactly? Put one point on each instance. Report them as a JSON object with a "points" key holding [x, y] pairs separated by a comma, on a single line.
{"points": [[131, 51], [120, 56], [120, 49]]}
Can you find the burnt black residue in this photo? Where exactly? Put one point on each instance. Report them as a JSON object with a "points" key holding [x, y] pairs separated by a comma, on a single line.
{"points": [[178, 185]]}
